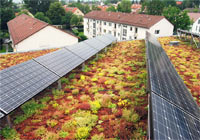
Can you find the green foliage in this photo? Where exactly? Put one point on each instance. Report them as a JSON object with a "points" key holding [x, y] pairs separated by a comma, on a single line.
{"points": [[55, 13], [95, 106], [63, 134], [76, 20], [52, 123], [57, 93], [111, 9], [112, 105], [6, 12], [66, 19], [75, 31], [9, 133], [45, 99], [41, 16], [178, 18], [40, 131], [75, 91], [38, 5], [20, 119], [69, 126], [72, 76], [64, 80], [85, 8], [95, 8], [82, 37], [82, 133], [130, 115], [98, 137], [124, 6], [86, 69], [155, 7]]}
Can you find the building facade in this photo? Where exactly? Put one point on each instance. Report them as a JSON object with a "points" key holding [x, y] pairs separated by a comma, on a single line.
{"points": [[125, 26], [195, 27]]}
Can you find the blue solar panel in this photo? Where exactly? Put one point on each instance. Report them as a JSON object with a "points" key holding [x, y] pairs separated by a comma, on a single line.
{"points": [[107, 41], [60, 62], [21, 82], [171, 123], [82, 50], [95, 43], [111, 37]]}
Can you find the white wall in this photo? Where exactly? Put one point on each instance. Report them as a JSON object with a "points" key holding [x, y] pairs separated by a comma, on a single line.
{"points": [[196, 27], [165, 27], [48, 37]]}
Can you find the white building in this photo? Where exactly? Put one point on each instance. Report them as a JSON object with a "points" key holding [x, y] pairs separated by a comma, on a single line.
{"points": [[125, 26], [28, 33], [195, 17]]}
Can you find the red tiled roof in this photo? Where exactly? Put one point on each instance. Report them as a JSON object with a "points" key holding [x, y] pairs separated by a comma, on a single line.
{"points": [[194, 16], [139, 20], [70, 9], [179, 2], [24, 26]]}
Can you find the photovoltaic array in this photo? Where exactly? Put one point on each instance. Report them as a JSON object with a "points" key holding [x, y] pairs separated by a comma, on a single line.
{"points": [[21, 82], [175, 114]]}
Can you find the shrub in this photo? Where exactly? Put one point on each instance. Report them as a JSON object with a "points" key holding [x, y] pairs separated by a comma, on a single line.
{"points": [[95, 106], [82, 133], [85, 98], [9, 133], [52, 123], [72, 76]]}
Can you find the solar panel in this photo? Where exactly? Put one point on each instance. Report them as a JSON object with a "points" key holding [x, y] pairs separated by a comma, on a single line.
{"points": [[82, 50], [107, 41], [111, 37], [95, 43], [61, 61], [1, 115], [171, 123], [166, 82], [21, 82]]}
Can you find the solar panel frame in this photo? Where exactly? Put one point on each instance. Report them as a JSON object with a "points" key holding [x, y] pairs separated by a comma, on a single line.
{"points": [[1, 115], [60, 62], [21, 82], [166, 82], [82, 50], [170, 122]]}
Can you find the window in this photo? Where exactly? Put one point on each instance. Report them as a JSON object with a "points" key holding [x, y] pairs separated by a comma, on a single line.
{"points": [[130, 28], [115, 25], [124, 32], [135, 37], [97, 21], [199, 21], [196, 28], [114, 33], [94, 25], [136, 30], [110, 24], [104, 23], [118, 34], [125, 26], [94, 32], [104, 30], [109, 32], [123, 38], [130, 37], [119, 26], [157, 31]]}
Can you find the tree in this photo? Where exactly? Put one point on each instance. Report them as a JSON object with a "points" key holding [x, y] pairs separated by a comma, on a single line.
{"points": [[35, 6], [190, 3], [55, 13], [82, 37], [6, 12], [169, 2], [94, 7], [111, 8], [66, 19], [155, 7], [41, 16], [76, 20], [124, 6], [178, 18]]}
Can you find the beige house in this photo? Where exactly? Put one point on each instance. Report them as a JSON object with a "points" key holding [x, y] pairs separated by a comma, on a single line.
{"points": [[74, 10], [28, 33]]}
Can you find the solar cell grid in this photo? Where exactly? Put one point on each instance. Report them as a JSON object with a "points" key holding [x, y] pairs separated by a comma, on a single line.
{"points": [[95, 43], [21, 82], [105, 40], [82, 50], [169, 122], [61, 62], [166, 82], [111, 37]]}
